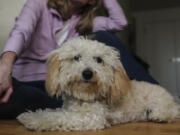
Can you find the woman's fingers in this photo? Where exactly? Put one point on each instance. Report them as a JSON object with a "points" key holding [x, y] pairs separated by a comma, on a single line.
{"points": [[7, 95]]}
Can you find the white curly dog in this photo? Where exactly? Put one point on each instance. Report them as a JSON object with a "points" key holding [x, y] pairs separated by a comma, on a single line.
{"points": [[97, 92]]}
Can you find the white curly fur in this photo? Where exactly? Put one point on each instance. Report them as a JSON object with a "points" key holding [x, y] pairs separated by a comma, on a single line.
{"points": [[106, 98]]}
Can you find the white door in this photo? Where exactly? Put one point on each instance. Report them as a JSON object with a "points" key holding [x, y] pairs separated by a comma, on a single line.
{"points": [[158, 44], [159, 48]]}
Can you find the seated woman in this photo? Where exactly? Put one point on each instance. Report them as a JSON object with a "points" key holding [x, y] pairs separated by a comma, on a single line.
{"points": [[42, 26]]}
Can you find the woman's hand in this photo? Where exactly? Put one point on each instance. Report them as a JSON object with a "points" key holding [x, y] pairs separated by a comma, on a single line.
{"points": [[5, 83], [6, 64]]}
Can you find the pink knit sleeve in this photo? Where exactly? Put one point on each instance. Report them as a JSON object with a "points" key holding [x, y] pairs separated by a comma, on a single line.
{"points": [[116, 19], [24, 26]]}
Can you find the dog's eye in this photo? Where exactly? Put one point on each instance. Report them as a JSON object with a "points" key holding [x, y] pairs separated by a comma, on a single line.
{"points": [[98, 59], [77, 57]]}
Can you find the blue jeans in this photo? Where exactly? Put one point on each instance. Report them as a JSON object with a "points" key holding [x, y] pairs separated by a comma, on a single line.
{"points": [[32, 95], [28, 96]]}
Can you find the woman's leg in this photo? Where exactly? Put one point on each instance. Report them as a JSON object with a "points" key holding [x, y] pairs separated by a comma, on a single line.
{"points": [[134, 69], [27, 96]]}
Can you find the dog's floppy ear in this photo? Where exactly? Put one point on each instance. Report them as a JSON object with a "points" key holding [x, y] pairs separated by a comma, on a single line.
{"points": [[120, 87], [52, 76]]}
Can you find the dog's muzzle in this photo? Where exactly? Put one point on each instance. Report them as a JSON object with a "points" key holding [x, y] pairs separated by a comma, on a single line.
{"points": [[87, 74]]}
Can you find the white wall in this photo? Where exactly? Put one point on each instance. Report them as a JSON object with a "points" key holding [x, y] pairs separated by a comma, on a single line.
{"points": [[9, 9]]}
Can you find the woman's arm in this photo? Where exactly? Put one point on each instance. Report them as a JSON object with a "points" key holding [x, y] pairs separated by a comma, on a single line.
{"points": [[116, 19], [21, 33], [24, 26], [6, 64]]}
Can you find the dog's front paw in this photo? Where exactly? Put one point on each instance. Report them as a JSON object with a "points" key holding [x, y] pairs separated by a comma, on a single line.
{"points": [[41, 120], [79, 117]]}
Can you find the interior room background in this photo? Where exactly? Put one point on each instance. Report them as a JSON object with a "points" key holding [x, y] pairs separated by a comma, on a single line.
{"points": [[153, 35]]}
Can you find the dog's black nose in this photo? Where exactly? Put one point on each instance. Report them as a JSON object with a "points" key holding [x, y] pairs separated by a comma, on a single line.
{"points": [[87, 74]]}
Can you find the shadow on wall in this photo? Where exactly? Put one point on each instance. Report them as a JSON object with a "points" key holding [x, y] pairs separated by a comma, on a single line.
{"points": [[141, 5]]}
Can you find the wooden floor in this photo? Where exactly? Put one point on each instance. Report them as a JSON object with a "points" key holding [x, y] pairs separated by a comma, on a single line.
{"points": [[12, 127]]}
